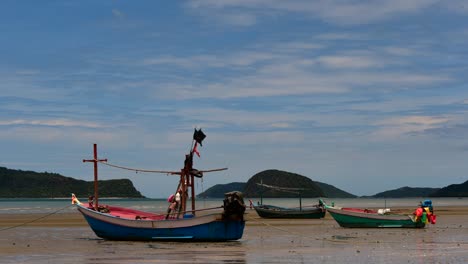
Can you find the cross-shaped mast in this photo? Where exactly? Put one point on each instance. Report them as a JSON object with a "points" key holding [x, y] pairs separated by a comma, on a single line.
{"points": [[95, 161]]}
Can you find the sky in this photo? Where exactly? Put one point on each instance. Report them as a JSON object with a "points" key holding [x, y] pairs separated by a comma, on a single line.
{"points": [[365, 95]]}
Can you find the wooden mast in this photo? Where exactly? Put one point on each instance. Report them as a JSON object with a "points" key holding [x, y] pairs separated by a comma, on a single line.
{"points": [[186, 181], [192, 194], [95, 161]]}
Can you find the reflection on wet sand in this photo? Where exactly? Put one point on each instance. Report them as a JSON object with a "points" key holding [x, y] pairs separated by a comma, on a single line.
{"points": [[67, 239]]}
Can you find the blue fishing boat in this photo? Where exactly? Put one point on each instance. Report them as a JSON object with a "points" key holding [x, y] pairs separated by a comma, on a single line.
{"points": [[222, 223]]}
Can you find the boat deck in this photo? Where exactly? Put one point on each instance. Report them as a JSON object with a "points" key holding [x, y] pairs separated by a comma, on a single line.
{"points": [[127, 213]]}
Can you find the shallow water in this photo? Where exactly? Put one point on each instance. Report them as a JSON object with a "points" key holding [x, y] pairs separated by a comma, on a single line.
{"points": [[15, 206], [264, 240]]}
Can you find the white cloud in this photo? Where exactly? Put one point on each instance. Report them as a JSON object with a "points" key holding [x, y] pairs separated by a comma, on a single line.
{"points": [[405, 104], [297, 46], [332, 11], [399, 51], [240, 59], [341, 36], [117, 13], [387, 81], [238, 19], [39, 134], [252, 86], [291, 69], [398, 126], [282, 79], [350, 62], [423, 121], [51, 122], [28, 72]]}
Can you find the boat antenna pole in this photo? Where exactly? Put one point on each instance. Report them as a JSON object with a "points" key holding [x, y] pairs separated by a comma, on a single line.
{"points": [[192, 186], [300, 200], [261, 193], [95, 161], [190, 178]]}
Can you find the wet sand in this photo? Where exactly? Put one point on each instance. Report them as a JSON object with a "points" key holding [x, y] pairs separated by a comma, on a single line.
{"points": [[66, 238]]}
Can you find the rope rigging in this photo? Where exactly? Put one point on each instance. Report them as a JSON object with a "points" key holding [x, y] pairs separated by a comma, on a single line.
{"points": [[139, 170], [283, 189], [153, 171]]}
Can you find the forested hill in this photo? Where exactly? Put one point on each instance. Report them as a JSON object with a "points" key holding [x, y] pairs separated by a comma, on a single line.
{"points": [[333, 192], [406, 192], [281, 179], [454, 190], [316, 189], [219, 190], [30, 184]]}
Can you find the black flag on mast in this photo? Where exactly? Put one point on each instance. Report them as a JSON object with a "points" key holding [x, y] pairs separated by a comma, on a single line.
{"points": [[198, 136]]}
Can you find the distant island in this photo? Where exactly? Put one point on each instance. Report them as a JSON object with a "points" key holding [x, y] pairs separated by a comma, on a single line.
{"points": [[454, 190], [406, 192], [319, 189], [30, 184], [277, 178]]}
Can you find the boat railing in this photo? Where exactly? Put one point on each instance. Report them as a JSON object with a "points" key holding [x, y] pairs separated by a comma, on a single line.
{"points": [[189, 213]]}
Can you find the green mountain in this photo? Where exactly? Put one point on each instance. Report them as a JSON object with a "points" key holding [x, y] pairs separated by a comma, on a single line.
{"points": [[281, 179], [319, 189], [30, 184], [277, 178], [219, 190], [454, 190], [404, 192], [333, 192]]}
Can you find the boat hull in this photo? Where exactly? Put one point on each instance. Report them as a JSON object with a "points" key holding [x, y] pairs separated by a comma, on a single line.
{"points": [[269, 211], [210, 227], [367, 220]]}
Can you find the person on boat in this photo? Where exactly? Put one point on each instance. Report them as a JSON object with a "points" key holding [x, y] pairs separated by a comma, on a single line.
{"points": [[418, 213], [177, 199], [172, 205], [91, 201], [251, 204]]}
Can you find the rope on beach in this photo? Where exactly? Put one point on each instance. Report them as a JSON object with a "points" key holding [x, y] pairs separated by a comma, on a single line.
{"points": [[37, 219]]}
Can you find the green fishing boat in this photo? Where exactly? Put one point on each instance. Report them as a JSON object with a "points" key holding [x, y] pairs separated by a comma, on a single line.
{"points": [[382, 218]]}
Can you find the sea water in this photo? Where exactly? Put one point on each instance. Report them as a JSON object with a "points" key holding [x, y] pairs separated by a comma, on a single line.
{"points": [[38, 205]]}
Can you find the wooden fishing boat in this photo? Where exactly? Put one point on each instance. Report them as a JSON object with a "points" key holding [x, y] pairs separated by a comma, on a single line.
{"points": [[301, 212], [271, 211], [369, 218], [222, 223]]}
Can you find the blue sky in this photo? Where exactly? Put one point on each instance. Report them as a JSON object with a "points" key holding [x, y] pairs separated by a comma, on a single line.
{"points": [[364, 95]]}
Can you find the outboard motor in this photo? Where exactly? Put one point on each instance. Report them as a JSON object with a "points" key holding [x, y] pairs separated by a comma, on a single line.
{"points": [[234, 206]]}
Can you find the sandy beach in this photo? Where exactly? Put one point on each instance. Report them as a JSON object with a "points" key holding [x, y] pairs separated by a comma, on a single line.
{"points": [[66, 238]]}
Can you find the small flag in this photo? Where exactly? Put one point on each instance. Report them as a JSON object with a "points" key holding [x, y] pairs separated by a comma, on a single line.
{"points": [[195, 149], [198, 136]]}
